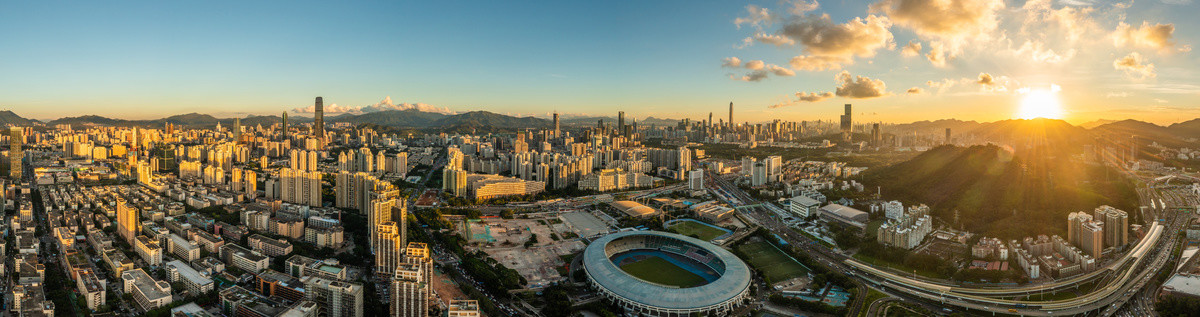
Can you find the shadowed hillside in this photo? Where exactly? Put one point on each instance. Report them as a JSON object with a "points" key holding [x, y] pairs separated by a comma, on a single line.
{"points": [[998, 193]]}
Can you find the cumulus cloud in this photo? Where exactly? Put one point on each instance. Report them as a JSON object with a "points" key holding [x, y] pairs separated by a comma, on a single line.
{"points": [[819, 63], [731, 62], [754, 76], [952, 21], [912, 49], [859, 87], [804, 97], [985, 79], [915, 91], [384, 105], [821, 36], [937, 54], [1135, 66], [754, 65], [1157, 36], [780, 71], [941, 85], [756, 16], [773, 39]]}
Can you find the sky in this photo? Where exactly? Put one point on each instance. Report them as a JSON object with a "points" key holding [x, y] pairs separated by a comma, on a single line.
{"points": [[894, 60]]}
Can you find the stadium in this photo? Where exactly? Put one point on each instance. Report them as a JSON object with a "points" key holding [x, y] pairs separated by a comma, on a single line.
{"points": [[653, 273]]}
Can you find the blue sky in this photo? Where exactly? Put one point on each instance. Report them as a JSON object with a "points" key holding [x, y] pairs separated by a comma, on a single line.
{"points": [[648, 58]]}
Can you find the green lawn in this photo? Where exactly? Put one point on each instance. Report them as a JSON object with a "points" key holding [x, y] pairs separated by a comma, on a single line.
{"points": [[773, 263], [688, 228], [657, 270]]}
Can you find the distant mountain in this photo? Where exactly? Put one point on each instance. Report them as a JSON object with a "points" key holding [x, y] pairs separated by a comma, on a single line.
{"points": [[89, 120], [1147, 132], [1186, 129], [9, 118], [392, 118], [1095, 123], [990, 188], [484, 119]]}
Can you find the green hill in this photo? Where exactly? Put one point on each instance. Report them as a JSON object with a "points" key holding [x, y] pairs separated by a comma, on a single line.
{"points": [[998, 193]]}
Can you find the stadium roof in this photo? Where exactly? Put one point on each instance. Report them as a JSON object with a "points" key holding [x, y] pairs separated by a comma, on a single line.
{"points": [[604, 272], [632, 208]]}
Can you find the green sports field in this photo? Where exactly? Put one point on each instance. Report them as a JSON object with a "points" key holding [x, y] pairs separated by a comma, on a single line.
{"points": [[771, 262], [658, 270], [688, 228]]}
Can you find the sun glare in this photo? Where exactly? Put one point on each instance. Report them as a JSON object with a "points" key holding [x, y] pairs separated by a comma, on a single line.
{"points": [[1040, 103]]}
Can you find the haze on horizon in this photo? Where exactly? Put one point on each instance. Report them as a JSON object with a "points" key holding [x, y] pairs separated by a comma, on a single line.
{"points": [[895, 60]]}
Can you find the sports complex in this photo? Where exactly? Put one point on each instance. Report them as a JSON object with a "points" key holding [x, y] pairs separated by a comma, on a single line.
{"points": [[654, 273]]}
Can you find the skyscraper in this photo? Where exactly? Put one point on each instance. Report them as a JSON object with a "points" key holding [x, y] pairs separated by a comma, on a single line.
{"points": [[409, 292], [319, 120], [621, 123], [237, 130], [948, 139], [285, 130], [731, 114], [847, 125], [16, 156], [556, 130]]}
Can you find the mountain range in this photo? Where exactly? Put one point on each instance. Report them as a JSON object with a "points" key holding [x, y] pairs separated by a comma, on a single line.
{"points": [[1006, 131]]}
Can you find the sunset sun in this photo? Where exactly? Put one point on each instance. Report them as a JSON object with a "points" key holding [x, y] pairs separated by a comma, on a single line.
{"points": [[1040, 103]]}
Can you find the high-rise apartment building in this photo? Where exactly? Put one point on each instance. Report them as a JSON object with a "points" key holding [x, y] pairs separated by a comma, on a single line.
{"points": [[410, 292], [335, 298], [1116, 225], [128, 222]]}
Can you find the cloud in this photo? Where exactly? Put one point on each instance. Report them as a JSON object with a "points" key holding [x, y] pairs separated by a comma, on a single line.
{"points": [[937, 54], [941, 85], [1160, 100], [754, 76], [819, 63], [756, 16], [1157, 36], [1035, 52], [1135, 66], [804, 97], [1116, 95], [799, 7], [821, 36], [385, 105], [774, 39], [780, 71], [952, 21], [985, 79], [731, 62], [915, 91], [859, 87], [912, 49], [754, 65]]}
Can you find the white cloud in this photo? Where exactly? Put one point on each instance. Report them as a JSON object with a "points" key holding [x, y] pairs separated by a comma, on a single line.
{"points": [[384, 105], [912, 49], [780, 71], [859, 87], [731, 62], [1157, 36]]}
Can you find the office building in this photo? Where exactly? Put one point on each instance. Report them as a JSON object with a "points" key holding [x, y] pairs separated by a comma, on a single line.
{"points": [[696, 179], [16, 156], [147, 292], [197, 283], [318, 129]]}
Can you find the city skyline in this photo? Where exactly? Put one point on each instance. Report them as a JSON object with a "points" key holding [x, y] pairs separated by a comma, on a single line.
{"points": [[1101, 60]]}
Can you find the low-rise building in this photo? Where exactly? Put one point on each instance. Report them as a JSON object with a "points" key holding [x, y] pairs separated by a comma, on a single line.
{"points": [[147, 292], [197, 283], [268, 246]]}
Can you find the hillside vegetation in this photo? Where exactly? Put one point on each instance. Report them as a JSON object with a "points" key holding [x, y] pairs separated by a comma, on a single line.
{"points": [[999, 193]]}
